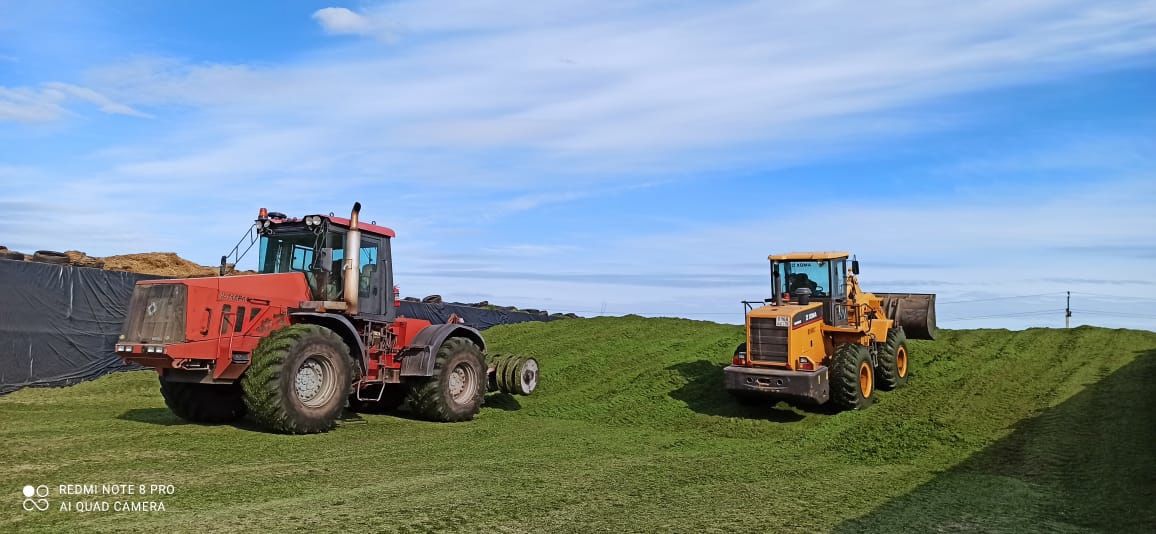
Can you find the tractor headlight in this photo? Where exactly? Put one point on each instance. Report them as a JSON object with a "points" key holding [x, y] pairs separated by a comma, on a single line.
{"points": [[266, 223], [316, 220]]}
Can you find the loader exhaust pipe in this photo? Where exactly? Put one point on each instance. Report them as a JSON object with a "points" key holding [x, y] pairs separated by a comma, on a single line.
{"points": [[351, 276]]}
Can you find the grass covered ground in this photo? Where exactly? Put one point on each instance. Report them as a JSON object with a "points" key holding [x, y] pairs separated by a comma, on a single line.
{"points": [[1040, 430]]}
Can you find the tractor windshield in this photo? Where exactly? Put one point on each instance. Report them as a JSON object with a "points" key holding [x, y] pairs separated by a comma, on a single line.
{"points": [[813, 275], [298, 252]]}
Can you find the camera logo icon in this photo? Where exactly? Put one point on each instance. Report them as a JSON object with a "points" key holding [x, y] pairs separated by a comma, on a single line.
{"points": [[34, 498]]}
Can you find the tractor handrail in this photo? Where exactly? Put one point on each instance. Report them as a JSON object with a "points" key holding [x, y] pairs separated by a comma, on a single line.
{"points": [[247, 240]]}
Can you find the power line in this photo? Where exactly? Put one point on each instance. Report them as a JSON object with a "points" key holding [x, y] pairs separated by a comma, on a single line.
{"points": [[1054, 293], [1115, 313], [1114, 296], [997, 315]]}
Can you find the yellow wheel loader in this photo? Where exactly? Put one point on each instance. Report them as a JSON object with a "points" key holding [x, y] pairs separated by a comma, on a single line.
{"points": [[821, 339]]}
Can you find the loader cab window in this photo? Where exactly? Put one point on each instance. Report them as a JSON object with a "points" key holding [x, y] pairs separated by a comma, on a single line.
{"points": [[813, 275]]}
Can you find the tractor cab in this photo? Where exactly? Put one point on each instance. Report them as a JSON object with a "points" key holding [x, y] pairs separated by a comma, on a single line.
{"points": [[315, 246], [813, 276]]}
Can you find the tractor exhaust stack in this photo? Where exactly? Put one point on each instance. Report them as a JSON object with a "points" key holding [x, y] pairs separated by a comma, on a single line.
{"points": [[350, 272]]}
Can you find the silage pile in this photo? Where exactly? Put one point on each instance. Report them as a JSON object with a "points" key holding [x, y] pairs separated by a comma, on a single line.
{"points": [[167, 264]]}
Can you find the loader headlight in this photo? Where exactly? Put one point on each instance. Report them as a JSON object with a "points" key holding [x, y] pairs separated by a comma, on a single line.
{"points": [[313, 220]]}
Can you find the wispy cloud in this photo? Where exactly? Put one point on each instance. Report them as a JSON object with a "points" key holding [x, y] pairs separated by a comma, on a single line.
{"points": [[48, 102]]}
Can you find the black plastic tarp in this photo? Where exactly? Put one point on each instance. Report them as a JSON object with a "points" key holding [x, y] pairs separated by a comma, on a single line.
{"points": [[59, 324], [479, 318]]}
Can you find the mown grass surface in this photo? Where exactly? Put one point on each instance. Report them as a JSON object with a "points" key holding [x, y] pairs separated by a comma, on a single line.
{"points": [[631, 431]]}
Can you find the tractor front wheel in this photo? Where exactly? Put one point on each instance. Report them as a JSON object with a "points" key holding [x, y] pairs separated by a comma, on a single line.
{"points": [[457, 387], [299, 380], [203, 403], [852, 377], [893, 360]]}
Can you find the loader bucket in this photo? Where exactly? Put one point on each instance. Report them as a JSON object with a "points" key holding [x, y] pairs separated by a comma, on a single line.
{"points": [[915, 312]]}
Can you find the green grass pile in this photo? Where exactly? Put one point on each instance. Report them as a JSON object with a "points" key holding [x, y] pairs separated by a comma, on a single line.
{"points": [[631, 430]]}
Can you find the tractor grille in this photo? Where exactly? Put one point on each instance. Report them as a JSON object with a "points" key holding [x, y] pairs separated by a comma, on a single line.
{"points": [[768, 342], [156, 314]]}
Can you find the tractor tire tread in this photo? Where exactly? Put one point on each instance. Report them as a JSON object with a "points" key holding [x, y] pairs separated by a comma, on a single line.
{"points": [[428, 399], [263, 395]]}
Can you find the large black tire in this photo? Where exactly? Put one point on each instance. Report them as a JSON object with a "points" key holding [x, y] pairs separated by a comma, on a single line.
{"points": [[299, 380], [9, 255], [203, 403], [50, 256], [893, 364], [457, 388], [852, 377]]}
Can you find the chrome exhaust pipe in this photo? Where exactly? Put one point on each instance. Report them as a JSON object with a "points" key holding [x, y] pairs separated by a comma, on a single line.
{"points": [[349, 266]]}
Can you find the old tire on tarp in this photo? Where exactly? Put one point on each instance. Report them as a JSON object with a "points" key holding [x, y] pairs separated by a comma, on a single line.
{"points": [[50, 256], [9, 255]]}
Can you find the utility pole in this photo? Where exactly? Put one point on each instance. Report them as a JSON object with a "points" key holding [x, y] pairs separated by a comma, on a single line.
{"points": [[1068, 312]]}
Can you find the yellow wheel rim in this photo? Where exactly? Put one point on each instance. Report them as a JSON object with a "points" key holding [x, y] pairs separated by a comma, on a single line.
{"points": [[866, 379], [901, 361]]}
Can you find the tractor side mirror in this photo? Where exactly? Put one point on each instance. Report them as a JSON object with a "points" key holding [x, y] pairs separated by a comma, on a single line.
{"points": [[324, 260], [854, 266]]}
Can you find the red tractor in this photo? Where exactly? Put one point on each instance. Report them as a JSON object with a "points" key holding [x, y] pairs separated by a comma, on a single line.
{"points": [[315, 329]]}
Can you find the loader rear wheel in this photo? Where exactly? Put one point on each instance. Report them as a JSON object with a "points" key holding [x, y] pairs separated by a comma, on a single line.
{"points": [[457, 387], [852, 377], [203, 403], [299, 380], [893, 360]]}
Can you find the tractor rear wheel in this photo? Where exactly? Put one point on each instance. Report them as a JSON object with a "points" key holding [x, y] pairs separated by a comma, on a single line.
{"points": [[203, 403], [457, 387], [299, 380], [893, 360], [852, 377]]}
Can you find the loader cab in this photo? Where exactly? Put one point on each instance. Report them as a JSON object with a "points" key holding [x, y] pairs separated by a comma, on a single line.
{"points": [[317, 251], [822, 277]]}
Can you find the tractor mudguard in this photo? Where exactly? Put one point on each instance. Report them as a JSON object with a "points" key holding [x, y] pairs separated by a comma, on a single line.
{"points": [[418, 358], [343, 327]]}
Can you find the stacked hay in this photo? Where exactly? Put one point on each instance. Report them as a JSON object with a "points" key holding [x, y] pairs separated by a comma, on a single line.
{"points": [[159, 264]]}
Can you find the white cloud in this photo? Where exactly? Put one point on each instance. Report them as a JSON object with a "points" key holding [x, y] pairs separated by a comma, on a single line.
{"points": [[342, 21], [24, 104]]}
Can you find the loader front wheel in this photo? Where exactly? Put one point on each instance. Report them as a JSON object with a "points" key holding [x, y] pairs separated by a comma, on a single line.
{"points": [[299, 380], [457, 387], [893, 360], [203, 403], [852, 377]]}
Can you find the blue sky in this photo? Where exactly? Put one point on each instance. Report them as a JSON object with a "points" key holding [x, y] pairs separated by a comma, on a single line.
{"points": [[629, 157]]}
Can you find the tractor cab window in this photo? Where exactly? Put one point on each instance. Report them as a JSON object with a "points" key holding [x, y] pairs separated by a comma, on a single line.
{"points": [[368, 268], [813, 275], [285, 253]]}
